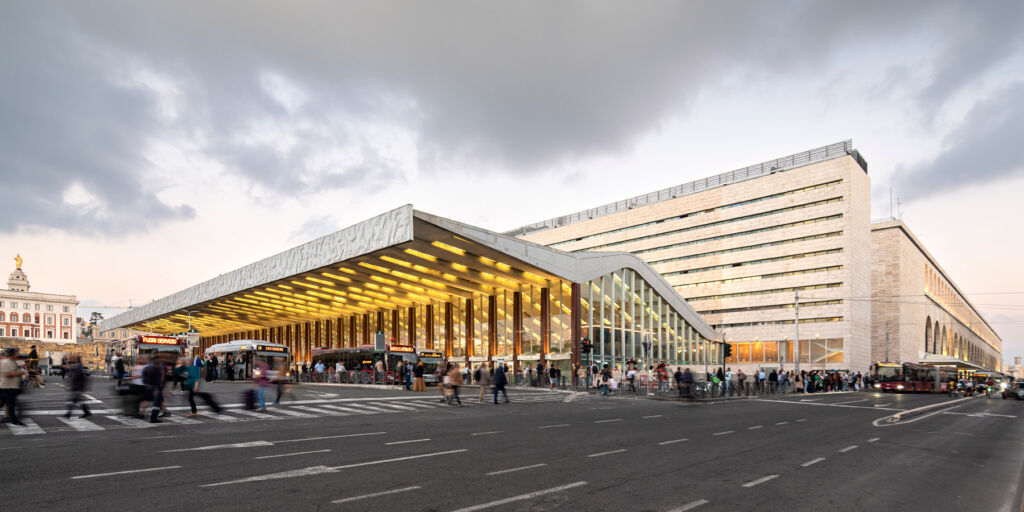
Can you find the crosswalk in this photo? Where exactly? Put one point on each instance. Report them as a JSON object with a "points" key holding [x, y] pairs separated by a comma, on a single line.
{"points": [[48, 421]]}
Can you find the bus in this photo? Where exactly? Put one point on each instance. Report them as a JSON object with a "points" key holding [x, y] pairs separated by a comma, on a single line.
{"points": [[247, 354], [364, 357], [431, 360], [999, 380], [909, 377], [146, 346]]}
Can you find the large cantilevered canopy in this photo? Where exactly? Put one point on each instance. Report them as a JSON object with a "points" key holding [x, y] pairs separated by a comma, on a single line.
{"points": [[400, 258]]}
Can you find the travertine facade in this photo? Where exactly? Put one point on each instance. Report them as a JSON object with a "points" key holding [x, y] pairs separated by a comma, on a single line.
{"points": [[920, 308]]}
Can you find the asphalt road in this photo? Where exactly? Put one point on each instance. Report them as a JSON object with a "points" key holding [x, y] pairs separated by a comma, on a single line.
{"points": [[391, 450]]}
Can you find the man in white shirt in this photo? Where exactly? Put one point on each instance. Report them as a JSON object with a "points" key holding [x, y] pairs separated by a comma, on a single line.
{"points": [[338, 370], [319, 371], [10, 385]]}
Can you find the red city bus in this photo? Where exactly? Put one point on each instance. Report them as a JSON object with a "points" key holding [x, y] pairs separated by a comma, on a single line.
{"points": [[906, 377]]}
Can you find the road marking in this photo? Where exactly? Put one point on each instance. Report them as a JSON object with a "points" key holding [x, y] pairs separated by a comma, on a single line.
{"points": [[289, 454], [487, 433], [395, 406], [80, 424], [424, 406], [755, 427], [248, 444], [981, 414], [689, 506], [555, 426], [374, 495], [851, 402], [132, 422], [810, 399], [157, 437], [723, 433], [222, 417], [329, 437], [318, 410], [802, 419], [608, 421], [653, 416], [883, 405], [760, 481], [783, 423], [409, 441], [521, 497], [848, 448], [873, 439], [606, 453], [319, 470], [812, 462], [297, 414], [570, 397], [372, 408], [97, 475], [30, 428], [672, 441], [349, 409], [182, 420], [254, 414], [502, 472], [811, 402]]}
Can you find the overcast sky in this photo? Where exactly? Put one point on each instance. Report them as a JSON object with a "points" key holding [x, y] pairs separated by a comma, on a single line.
{"points": [[147, 146]]}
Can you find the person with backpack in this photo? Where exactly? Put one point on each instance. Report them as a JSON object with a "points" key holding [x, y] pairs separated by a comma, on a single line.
{"points": [[189, 375], [606, 377]]}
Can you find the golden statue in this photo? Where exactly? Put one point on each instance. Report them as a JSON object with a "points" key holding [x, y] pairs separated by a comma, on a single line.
{"points": [[18, 260]]}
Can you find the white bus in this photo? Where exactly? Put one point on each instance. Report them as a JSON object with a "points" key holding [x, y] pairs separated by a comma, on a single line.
{"points": [[249, 353]]}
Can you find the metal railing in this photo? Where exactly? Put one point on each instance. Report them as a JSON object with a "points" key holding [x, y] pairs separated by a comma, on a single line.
{"points": [[753, 171]]}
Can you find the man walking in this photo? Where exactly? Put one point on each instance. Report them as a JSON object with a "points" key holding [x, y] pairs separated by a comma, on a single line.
{"points": [[500, 381], [687, 381], [189, 374], [483, 378], [79, 379], [10, 385]]}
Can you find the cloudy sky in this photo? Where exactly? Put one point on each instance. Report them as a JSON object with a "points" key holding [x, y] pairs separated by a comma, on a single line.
{"points": [[147, 146]]}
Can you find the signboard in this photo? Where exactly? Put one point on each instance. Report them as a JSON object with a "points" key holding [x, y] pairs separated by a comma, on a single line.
{"points": [[378, 341], [408, 349], [159, 340], [266, 348], [192, 338], [428, 354]]}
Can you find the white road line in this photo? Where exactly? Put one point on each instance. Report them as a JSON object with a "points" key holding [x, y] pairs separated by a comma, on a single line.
{"points": [[289, 454], [848, 448], [755, 427], [672, 441], [224, 417], [502, 472], [254, 414], [349, 409], [409, 441], [760, 481], [372, 408], [608, 421], [783, 423], [851, 402], [689, 506], [394, 406], [812, 462], [653, 416], [723, 433], [487, 433], [30, 428], [555, 426], [606, 453], [810, 399], [802, 419], [80, 424], [873, 439], [318, 410], [374, 495], [329, 437], [131, 422], [521, 497], [418, 404], [318, 470], [883, 405], [294, 413], [182, 420], [97, 475], [249, 444]]}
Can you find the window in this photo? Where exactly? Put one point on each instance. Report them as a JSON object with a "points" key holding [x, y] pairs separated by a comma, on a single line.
{"points": [[1, 317], [37, 307], [26, 318], [66, 335], [49, 307], [66, 322], [66, 309], [1, 303], [14, 332], [49, 334], [49, 320], [37, 319], [26, 305]]}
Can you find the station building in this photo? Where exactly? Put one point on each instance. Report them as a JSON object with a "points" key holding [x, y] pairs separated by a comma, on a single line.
{"points": [[785, 250], [29, 315], [437, 284]]}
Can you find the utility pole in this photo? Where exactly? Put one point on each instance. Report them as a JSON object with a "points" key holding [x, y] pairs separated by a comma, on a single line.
{"points": [[796, 324], [887, 341]]}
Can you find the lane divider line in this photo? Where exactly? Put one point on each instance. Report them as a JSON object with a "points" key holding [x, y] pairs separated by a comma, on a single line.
{"points": [[602, 454], [848, 448], [374, 495], [97, 475], [409, 441], [289, 454], [521, 497], [812, 462], [873, 439], [760, 481], [502, 472], [723, 433], [487, 433], [608, 421], [555, 426], [672, 441], [689, 506], [755, 428]]}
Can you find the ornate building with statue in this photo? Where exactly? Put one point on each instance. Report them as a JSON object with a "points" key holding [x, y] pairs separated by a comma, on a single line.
{"points": [[25, 314]]}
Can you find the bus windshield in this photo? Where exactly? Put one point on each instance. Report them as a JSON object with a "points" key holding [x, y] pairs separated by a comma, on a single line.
{"points": [[888, 373], [151, 351]]}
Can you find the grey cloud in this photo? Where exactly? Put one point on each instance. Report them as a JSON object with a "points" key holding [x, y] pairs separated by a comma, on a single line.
{"points": [[982, 149], [313, 228], [499, 86]]}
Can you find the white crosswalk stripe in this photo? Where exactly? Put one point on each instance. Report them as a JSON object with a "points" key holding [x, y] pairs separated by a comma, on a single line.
{"points": [[293, 413], [131, 422], [30, 428], [254, 414], [182, 420], [395, 406], [349, 409], [221, 417], [326, 412], [79, 424]]}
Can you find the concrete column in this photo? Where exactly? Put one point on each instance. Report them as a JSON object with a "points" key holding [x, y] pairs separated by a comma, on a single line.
{"points": [[470, 334], [429, 326], [492, 326], [576, 318], [449, 324], [545, 323]]}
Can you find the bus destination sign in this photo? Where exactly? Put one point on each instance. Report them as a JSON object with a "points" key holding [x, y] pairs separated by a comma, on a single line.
{"points": [[409, 349], [431, 354], [160, 340], [266, 348]]}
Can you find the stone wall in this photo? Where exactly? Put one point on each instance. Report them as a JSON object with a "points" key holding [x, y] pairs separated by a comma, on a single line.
{"points": [[93, 354]]}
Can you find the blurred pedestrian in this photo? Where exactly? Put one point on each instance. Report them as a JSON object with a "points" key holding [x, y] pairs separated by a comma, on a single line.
{"points": [[500, 381], [483, 378], [418, 383], [10, 385], [261, 380], [454, 382], [189, 375], [77, 386]]}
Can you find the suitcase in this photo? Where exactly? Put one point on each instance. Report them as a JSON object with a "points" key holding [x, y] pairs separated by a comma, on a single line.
{"points": [[249, 399]]}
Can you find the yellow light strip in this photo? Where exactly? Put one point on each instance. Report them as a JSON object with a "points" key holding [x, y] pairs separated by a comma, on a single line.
{"points": [[449, 248]]}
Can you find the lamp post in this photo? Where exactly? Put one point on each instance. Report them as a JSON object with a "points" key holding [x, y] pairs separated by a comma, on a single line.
{"points": [[189, 313], [646, 343]]}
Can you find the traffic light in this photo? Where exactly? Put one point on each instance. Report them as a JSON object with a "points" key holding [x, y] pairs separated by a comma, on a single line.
{"points": [[728, 350]]}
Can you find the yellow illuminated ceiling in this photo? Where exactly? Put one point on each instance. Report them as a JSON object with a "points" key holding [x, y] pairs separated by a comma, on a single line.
{"points": [[435, 266]]}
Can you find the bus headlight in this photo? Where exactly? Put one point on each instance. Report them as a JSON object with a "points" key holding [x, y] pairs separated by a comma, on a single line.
{"points": [[878, 386], [1003, 385], [900, 386]]}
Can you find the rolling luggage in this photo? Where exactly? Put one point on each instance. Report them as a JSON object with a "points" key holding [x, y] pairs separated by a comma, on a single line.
{"points": [[249, 399]]}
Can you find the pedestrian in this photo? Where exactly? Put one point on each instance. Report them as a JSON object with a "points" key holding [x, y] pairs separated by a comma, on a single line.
{"points": [[229, 367], [483, 377], [10, 385], [687, 382], [153, 378], [631, 377], [319, 371], [280, 379], [773, 381], [214, 368], [189, 375], [77, 386], [378, 371], [261, 380], [606, 377], [500, 381], [454, 383]]}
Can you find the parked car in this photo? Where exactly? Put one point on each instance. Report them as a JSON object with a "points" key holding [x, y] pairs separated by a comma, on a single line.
{"points": [[1014, 391]]}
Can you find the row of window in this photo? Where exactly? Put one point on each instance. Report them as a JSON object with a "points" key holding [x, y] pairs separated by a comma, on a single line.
{"points": [[742, 233], [27, 319], [702, 212], [37, 307], [790, 289], [32, 334], [771, 306], [781, 322], [749, 247], [718, 223], [761, 277], [753, 262], [775, 352]]}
